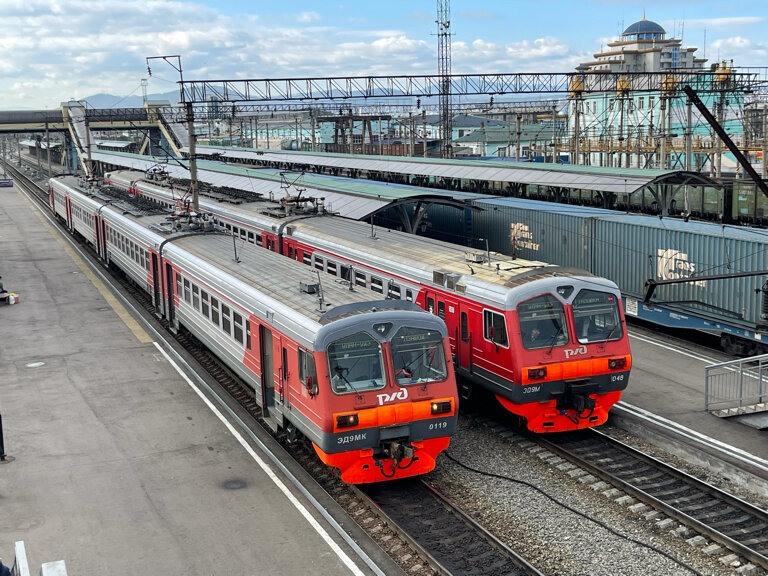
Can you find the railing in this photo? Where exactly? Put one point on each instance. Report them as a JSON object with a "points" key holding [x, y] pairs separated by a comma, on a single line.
{"points": [[737, 387]]}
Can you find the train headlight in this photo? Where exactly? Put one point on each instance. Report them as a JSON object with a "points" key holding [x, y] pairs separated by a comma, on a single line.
{"points": [[537, 373], [441, 407], [346, 420], [617, 363]]}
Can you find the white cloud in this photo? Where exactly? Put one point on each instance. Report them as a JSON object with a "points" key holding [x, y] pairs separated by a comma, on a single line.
{"points": [[307, 17]]}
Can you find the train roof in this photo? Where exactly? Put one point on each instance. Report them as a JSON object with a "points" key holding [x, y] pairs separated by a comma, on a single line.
{"points": [[243, 279], [415, 258]]}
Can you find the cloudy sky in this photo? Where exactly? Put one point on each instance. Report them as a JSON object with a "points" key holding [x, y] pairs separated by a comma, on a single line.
{"points": [[54, 50]]}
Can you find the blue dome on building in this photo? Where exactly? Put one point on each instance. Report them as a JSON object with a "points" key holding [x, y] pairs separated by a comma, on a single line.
{"points": [[644, 30]]}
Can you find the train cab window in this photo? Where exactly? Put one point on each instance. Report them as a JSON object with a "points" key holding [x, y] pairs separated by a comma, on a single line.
{"points": [[331, 268], [431, 305], [596, 316], [377, 285], [319, 264], [237, 323], [195, 297], [495, 328], [214, 311], [226, 324], [409, 295], [187, 292], [307, 371], [441, 310], [306, 258], [204, 299], [417, 356], [542, 322], [356, 364], [360, 279]]}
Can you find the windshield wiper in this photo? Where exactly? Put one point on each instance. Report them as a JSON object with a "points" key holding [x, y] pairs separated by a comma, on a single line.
{"points": [[554, 339]]}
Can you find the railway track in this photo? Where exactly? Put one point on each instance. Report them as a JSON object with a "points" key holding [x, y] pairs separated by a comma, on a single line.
{"points": [[721, 517], [455, 542], [423, 532]]}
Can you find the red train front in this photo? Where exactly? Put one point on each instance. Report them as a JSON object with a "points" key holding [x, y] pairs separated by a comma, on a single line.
{"points": [[383, 400], [556, 352]]}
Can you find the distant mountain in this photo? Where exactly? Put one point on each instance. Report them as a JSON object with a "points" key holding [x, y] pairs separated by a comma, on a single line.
{"points": [[103, 101]]}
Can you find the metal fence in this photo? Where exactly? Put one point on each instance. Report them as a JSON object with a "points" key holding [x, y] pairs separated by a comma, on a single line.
{"points": [[737, 387]]}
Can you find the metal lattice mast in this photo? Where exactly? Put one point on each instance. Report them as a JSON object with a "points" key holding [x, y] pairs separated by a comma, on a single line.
{"points": [[444, 71]]}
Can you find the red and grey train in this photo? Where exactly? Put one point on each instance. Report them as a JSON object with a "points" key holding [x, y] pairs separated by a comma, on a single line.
{"points": [[368, 382], [550, 342]]}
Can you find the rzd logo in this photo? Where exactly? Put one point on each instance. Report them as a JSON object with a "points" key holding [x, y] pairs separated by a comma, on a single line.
{"points": [[673, 264], [401, 394], [573, 352]]}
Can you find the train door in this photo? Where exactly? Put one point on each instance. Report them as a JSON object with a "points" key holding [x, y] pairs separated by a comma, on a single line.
{"points": [[464, 343], [68, 210], [267, 365], [156, 286], [171, 310], [104, 238]]}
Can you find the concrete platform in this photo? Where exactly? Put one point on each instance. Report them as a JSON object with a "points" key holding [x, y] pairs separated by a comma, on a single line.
{"points": [[116, 465]]}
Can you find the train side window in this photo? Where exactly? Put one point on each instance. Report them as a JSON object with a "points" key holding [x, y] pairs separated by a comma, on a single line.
{"points": [[251, 238], [319, 264], [290, 252], [494, 328], [306, 258], [226, 325], [214, 311], [258, 240], [331, 268], [187, 292], [243, 233], [464, 327], [205, 303], [237, 321], [178, 285], [393, 292], [377, 285], [409, 295], [307, 373], [346, 273], [441, 310], [195, 297], [360, 279]]}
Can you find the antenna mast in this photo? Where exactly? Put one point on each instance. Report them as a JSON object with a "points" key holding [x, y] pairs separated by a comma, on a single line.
{"points": [[444, 71]]}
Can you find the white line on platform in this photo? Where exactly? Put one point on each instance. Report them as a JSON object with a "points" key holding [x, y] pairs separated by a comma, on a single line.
{"points": [[268, 471]]}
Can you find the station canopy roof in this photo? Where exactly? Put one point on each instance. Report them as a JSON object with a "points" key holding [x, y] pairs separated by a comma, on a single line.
{"points": [[350, 198], [596, 178]]}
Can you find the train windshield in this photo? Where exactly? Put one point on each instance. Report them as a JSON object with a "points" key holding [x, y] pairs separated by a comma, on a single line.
{"points": [[417, 354], [596, 316], [542, 322], [356, 364]]}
